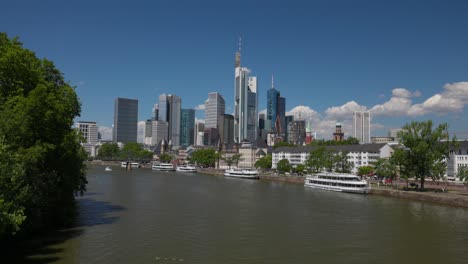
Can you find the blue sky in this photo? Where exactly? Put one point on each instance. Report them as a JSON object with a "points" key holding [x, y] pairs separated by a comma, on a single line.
{"points": [[328, 57]]}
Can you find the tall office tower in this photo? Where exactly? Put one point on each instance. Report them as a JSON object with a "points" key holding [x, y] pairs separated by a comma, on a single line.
{"points": [[361, 126], [245, 103], [288, 119], [296, 132], [214, 108], [125, 120], [187, 127], [276, 111], [89, 131], [338, 135], [226, 131], [169, 111], [148, 131], [155, 114], [159, 131], [309, 136], [199, 132]]}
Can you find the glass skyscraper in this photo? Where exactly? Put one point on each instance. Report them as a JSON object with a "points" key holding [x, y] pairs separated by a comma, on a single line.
{"points": [[187, 127], [276, 111], [169, 111], [125, 120], [245, 103], [361, 126]]}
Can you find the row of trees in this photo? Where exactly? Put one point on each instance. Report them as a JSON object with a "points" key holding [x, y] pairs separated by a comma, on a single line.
{"points": [[41, 159], [130, 151], [210, 158]]}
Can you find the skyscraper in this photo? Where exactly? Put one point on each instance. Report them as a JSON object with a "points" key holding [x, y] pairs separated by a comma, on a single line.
{"points": [[89, 131], [159, 131], [187, 127], [125, 120], [276, 111], [214, 108], [297, 132], [169, 111], [361, 126], [245, 103]]}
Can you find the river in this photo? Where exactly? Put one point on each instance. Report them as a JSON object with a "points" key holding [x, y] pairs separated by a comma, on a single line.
{"points": [[145, 216]]}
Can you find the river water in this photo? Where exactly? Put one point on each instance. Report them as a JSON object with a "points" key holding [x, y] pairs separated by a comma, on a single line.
{"points": [[145, 216]]}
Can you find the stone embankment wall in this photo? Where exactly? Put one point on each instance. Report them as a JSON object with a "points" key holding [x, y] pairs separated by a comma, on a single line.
{"points": [[291, 179]]}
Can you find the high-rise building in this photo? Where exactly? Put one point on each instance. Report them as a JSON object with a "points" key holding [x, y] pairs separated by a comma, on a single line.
{"points": [[245, 103], [125, 120], [89, 131], [148, 131], [361, 126], [296, 132], [226, 130], [199, 133], [169, 111], [159, 132], [187, 127], [214, 109], [155, 113], [276, 111], [288, 119]]}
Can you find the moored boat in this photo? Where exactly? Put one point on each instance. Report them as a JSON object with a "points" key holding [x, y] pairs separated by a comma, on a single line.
{"points": [[186, 168], [135, 165], [108, 168], [240, 173], [338, 182], [163, 167]]}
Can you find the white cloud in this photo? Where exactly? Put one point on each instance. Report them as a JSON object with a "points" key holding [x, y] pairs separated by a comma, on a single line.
{"points": [[200, 107], [303, 112], [198, 120], [344, 111], [397, 105], [106, 132]]}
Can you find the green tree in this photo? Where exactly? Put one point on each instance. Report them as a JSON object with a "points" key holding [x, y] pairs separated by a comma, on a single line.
{"points": [[319, 159], [385, 168], [135, 151], [462, 174], [264, 163], [341, 162], [165, 158], [204, 157], [231, 159], [426, 147], [283, 144], [37, 109], [108, 151], [365, 170], [299, 169], [283, 166]]}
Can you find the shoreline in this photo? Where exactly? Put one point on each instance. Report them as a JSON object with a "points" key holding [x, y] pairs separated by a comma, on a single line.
{"points": [[449, 198]]}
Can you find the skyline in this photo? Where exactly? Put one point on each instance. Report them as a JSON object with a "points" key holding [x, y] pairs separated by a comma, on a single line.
{"points": [[403, 61]]}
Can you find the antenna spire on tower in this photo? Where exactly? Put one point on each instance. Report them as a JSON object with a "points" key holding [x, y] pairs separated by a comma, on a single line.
{"points": [[272, 82]]}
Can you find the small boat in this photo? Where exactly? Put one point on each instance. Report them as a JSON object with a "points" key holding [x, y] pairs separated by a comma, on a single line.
{"points": [[338, 182], [135, 165], [124, 164], [163, 167], [108, 168], [239, 173], [186, 168]]}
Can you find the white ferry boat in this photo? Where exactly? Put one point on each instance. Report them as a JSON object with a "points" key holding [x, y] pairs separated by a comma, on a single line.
{"points": [[123, 164], [186, 168], [337, 182], [135, 165], [163, 167], [239, 173]]}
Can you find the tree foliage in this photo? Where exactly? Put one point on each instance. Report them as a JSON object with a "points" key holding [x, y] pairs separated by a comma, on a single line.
{"points": [[426, 148], [283, 144], [41, 165], [462, 174], [108, 151], [135, 151], [165, 158], [231, 159], [322, 142], [264, 163], [204, 157], [319, 159], [365, 170], [283, 166], [341, 162], [386, 168]]}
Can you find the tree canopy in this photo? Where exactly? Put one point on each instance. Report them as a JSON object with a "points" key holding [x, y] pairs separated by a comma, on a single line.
{"points": [[204, 157], [264, 163], [41, 159], [426, 149], [283, 166], [231, 159]]}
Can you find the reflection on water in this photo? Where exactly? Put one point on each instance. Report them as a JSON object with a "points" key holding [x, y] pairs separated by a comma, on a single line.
{"points": [[145, 216]]}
